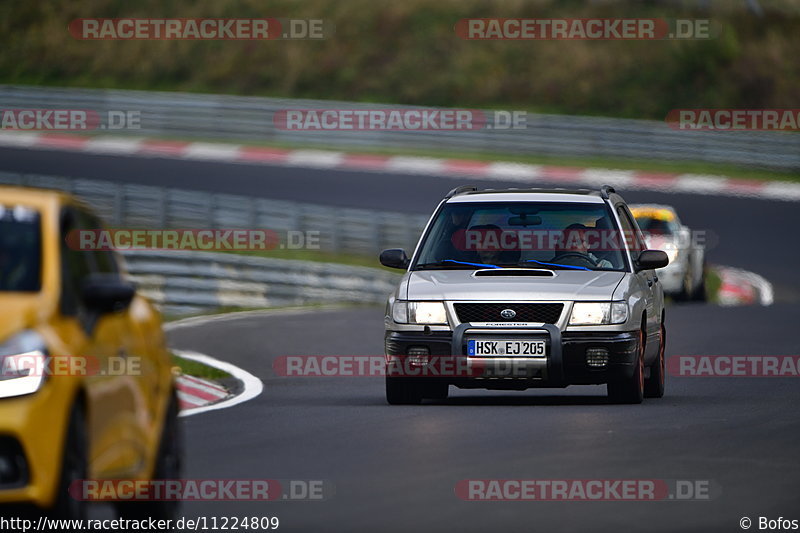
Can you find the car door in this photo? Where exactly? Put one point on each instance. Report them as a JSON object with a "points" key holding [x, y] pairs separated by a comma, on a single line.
{"points": [[103, 347], [646, 279], [134, 370]]}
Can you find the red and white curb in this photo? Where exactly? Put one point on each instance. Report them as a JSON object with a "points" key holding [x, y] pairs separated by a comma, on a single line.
{"points": [[742, 287], [452, 168], [196, 392], [199, 396]]}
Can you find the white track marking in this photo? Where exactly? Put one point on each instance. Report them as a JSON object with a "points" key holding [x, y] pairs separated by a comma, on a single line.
{"points": [[251, 385], [212, 151], [112, 145], [315, 158], [513, 172], [24, 140], [415, 165]]}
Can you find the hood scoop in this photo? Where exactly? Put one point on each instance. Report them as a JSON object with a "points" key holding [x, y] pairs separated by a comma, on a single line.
{"points": [[514, 272]]}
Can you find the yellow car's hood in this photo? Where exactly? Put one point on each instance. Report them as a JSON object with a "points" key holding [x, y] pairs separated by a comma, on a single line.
{"points": [[17, 312]]}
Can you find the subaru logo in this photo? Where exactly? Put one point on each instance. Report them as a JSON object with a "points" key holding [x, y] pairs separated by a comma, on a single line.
{"points": [[508, 313]]}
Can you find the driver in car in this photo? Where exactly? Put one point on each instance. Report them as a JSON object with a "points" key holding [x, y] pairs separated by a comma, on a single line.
{"points": [[574, 249]]}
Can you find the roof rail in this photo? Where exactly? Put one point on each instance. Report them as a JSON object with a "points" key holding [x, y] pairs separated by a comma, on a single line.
{"points": [[606, 190], [461, 190]]}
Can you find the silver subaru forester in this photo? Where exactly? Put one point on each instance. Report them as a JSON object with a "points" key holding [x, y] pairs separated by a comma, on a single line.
{"points": [[518, 288]]}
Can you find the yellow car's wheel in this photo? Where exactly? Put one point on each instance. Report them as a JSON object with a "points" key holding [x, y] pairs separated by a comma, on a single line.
{"points": [[168, 466], [73, 468]]}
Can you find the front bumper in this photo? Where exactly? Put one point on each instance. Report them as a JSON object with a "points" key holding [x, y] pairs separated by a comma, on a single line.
{"points": [[32, 432], [565, 362]]}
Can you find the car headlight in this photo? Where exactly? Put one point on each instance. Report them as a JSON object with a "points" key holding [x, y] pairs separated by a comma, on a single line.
{"points": [[23, 360], [419, 313], [598, 313]]}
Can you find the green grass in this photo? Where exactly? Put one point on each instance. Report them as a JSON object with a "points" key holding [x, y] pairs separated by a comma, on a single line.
{"points": [[408, 52], [198, 370], [713, 284]]}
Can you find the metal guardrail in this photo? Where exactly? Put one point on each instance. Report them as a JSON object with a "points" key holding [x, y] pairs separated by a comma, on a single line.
{"points": [[251, 119], [344, 230], [185, 282]]}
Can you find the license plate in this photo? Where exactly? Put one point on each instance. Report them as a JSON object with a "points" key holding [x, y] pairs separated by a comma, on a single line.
{"points": [[506, 348]]}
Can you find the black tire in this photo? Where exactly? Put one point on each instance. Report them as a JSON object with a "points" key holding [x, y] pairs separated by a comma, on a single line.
{"points": [[74, 467], [168, 466], [403, 391], [654, 385], [631, 390], [699, 294], [685, 293]]}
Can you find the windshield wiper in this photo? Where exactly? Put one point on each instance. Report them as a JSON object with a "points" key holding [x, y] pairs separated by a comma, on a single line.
{"points": [[445, 262], [571, 267]]}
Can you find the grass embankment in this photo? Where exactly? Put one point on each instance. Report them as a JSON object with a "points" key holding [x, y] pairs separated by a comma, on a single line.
{"points": [[408, 52]]}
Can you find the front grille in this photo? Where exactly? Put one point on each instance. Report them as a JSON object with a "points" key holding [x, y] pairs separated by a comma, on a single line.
{"points": [[490, 312]]}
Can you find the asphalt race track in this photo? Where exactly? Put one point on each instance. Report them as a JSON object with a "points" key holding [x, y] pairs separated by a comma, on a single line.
{"points": [[395, 468]]}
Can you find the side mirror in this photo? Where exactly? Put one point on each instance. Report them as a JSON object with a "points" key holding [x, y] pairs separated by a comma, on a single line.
{"points": [[107, 293], [394, 258], [652, 259]]}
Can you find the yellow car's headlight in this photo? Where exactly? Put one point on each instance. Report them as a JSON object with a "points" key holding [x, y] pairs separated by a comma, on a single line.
{"points": [[598, 313], [430, 313], [23, 364]]}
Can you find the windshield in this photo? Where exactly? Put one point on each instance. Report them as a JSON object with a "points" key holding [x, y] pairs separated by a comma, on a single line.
{"points": [[20, 249], [657, 226], [552, 235]]}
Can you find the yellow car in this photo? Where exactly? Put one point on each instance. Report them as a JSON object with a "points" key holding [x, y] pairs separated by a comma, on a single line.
{"points": [[86, 385]]}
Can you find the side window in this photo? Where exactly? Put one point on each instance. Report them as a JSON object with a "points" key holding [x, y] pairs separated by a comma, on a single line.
{"points": [[632, 234], [103, 261], [75, 265]]}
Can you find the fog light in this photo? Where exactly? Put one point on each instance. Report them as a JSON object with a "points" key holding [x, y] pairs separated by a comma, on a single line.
{"points": [[597, 357], [418, 355], [7, 470]]}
